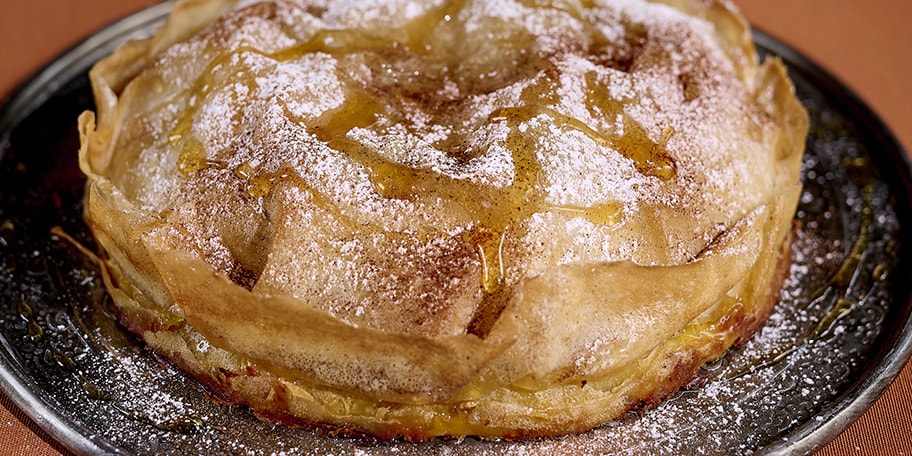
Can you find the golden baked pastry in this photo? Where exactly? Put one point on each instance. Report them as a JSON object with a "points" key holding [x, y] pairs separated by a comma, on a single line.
{"points": [[420, 219]]}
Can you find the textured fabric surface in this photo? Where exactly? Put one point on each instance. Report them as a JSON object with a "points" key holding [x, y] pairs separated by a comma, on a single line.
{"points": [[19, 435], [886, 428], [865, 44]]}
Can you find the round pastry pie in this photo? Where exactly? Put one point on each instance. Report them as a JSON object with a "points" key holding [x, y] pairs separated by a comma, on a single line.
{"points": [[406, 219]]}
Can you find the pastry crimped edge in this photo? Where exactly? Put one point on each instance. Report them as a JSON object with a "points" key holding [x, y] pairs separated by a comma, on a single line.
{"points": [[139, 290]]}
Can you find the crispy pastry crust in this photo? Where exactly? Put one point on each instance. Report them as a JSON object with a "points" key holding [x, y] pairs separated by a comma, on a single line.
{"points": [[444, 220]]}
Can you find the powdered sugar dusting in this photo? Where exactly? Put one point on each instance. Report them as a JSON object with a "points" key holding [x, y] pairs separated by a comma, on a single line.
{"points": [[424, 179], [412, 179], [322, 97]]}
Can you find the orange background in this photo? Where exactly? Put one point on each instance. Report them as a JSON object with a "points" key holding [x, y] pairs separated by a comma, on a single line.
{"points": [[866, 44]]}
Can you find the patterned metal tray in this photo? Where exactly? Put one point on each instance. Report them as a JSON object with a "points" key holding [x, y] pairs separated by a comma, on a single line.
{"points": [[839, 337]]}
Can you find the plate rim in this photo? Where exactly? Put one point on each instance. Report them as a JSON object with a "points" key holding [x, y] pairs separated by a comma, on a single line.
{"points": [[810, 436], [854, 402]]}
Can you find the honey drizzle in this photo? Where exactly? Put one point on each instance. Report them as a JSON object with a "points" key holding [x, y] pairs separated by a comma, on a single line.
{"points": [[844, 279], [650, 158], [495, 212]]}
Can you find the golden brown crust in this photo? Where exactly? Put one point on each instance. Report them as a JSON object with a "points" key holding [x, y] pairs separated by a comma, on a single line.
{"points": [[455, 227]]}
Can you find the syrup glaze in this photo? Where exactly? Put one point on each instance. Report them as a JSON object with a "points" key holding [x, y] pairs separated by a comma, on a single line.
{"points": [[416, 61]]}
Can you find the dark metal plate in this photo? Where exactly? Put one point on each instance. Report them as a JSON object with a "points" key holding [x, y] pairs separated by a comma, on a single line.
{"points": [[840, 336]]}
